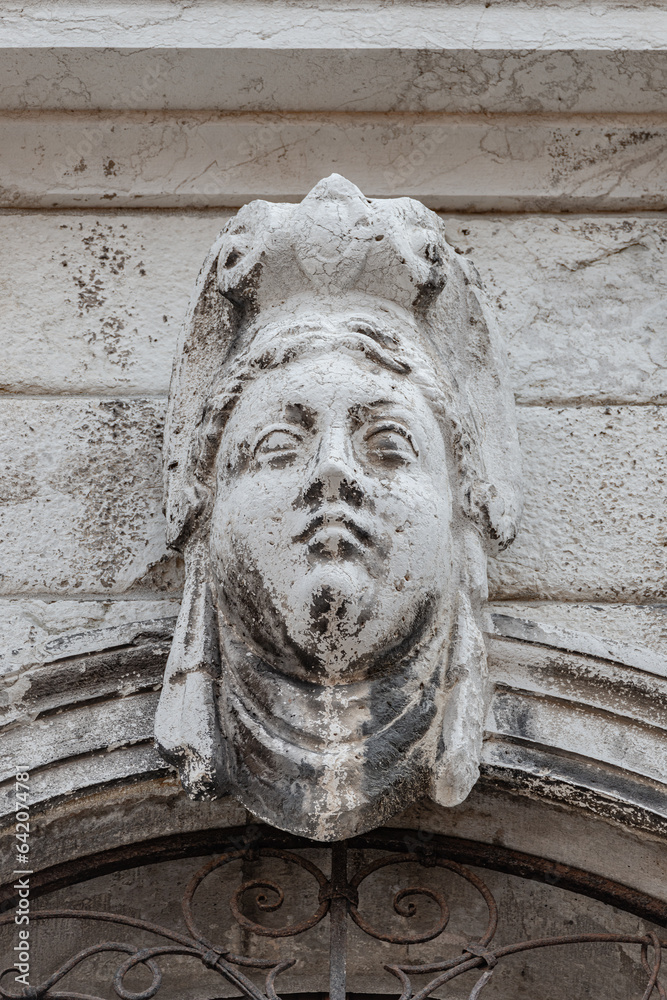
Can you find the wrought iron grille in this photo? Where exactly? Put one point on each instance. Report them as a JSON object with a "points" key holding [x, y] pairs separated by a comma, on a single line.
{"points": [[338, 900]]}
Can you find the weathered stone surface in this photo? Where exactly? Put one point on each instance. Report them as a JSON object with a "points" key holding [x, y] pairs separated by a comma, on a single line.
{"points": [[599, 710], [59, 653], [340, 455], [436, 76], [113, 290], [593, 527], [581, 728], [69, 778], [42, 631], [77, 668], [54, 737], [594, 521], [451, 163], [569, 721], [521, 24], [88, 819], [634, 634], [81, 489], [36, 632], [581, 302]]}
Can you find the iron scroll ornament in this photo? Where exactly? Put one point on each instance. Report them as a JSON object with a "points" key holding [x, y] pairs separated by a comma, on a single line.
{"points": [[338, 898]]}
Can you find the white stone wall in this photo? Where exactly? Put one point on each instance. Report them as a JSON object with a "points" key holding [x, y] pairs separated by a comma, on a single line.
{"points": [[128, 135], [92, 306]]}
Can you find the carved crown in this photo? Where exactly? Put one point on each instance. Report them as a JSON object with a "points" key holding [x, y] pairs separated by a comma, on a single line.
{"points": [[335, 241]]}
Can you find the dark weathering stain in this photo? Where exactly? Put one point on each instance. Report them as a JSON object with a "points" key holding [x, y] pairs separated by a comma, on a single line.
{"points": [[251, 612], [431, 287], [324, 608], [399, 649], [519, 719], [566, 159], [300, 415], [392, 749], [233, 257], [90, 292], [350, 493], [314, 496], [243, 294], [316, 523], [250, 608], [311, 497], [291, 788]]}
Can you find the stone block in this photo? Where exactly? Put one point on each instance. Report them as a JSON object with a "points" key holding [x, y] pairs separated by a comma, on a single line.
{"points": [[594, 523], [450, 162], [599, 25], [581, 301], [112, 291], [356, 74], [81, 490], [81, 486]]}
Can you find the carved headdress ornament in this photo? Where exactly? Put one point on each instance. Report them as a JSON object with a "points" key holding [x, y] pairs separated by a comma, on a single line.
{"points": [[360, 279]]}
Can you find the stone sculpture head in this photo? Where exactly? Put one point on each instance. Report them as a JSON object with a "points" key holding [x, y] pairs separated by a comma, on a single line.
{"points": [[341, 454]]}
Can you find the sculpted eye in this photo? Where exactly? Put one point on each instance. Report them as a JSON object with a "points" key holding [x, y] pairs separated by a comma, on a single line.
{"points": [[278, 445], [391, 444]]}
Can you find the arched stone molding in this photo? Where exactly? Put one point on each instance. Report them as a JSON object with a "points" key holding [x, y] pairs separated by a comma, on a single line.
{"points": [[563, 793]]}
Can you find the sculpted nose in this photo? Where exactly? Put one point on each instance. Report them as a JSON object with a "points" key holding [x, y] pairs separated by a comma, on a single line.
{"points": [[334, 470], [335, 476]]}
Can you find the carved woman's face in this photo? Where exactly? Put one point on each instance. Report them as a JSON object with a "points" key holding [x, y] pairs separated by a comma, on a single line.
{"points": [[331, 535]]}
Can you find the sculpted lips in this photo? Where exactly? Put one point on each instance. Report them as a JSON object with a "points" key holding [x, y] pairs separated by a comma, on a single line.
{"points": [[335, 533]]}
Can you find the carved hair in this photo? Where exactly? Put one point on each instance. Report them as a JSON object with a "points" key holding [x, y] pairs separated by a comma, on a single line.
{"points": [[281, 344]]}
